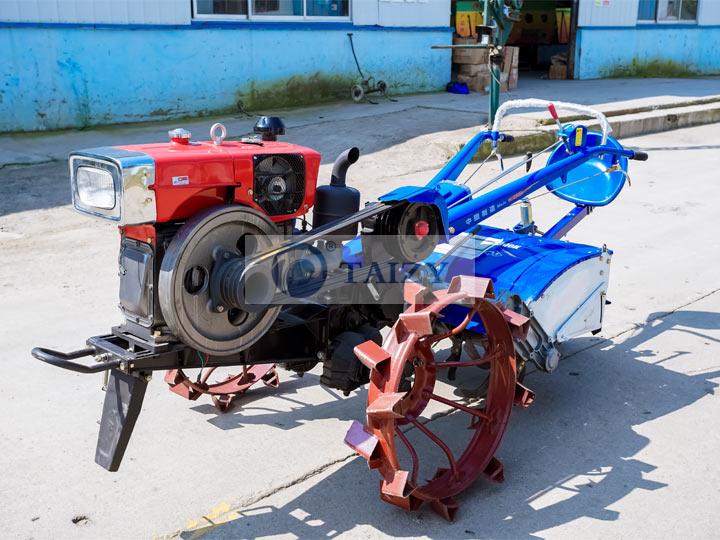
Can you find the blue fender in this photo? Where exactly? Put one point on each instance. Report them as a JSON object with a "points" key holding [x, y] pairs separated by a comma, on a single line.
{"points": [[439, 196]]}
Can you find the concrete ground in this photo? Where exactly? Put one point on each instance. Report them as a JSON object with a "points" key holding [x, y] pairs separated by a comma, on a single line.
{"points": [[621, 442]]}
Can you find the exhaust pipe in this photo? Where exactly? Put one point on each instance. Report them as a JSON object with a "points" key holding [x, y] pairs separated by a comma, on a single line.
{"points": [[342, 164]]}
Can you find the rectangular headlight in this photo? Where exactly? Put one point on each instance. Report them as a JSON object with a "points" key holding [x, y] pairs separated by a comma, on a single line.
{"points": [[95, 188], [113, 183]]}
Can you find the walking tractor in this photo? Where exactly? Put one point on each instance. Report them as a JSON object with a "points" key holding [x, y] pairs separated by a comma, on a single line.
{"points": [[224, 275]]}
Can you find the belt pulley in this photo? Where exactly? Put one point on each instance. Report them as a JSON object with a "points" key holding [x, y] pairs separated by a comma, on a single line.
{"points": [[203, 246]]}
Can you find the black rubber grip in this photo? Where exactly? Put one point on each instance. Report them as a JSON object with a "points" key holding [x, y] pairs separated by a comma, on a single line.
{"points": [[640, 156], [507, 138], [63, 360]]}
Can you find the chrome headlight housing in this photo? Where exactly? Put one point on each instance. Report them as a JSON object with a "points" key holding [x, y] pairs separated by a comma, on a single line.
{"points": [[112, 183]]}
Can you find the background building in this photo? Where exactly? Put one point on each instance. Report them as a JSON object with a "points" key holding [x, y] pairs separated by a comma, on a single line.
{"points": [[75, 63], [647, 38]]}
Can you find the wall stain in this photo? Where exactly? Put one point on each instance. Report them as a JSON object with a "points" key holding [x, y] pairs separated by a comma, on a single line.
{"points": [[296, 91], [651, 68]]}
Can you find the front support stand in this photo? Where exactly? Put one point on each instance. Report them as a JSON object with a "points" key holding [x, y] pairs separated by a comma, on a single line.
{"points": [[123, 400]]}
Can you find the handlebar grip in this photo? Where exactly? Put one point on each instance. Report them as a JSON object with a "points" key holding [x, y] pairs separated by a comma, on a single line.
{"points": [[63, 360], [507, 138], [553, 111], [640, 156]]}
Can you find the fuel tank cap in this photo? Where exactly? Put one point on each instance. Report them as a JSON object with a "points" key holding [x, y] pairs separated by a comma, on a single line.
{"points": [[180, 135]]}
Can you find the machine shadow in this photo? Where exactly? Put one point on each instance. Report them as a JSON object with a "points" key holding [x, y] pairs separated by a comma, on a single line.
{"points": [[33, 188], [568, 456], [289, 408]]}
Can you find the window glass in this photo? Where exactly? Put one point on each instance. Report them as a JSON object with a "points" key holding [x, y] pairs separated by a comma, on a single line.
{"points": [[646, 10], [688, 10], [274, 8], [285, 8], [669, 10], [221, 7], [328, 8]]}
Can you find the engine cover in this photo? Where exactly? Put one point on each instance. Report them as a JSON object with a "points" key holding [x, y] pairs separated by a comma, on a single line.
{"points": [[194, 176]]}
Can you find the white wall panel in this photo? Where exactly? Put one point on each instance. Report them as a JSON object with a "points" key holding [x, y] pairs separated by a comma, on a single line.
{"points": [[709, 12], [422, 13], [608, 12], [366, 12], [414, 13], [96, 11]]}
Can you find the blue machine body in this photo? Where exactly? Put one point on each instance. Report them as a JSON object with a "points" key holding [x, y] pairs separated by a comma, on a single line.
{"points": [[518, 264], [582, 171]]}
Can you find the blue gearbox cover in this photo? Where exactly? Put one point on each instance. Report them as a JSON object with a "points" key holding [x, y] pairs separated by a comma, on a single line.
{"points": [[518, 264]]}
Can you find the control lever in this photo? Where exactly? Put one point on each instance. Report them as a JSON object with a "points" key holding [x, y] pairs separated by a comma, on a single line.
{"points": [[559, 125]]}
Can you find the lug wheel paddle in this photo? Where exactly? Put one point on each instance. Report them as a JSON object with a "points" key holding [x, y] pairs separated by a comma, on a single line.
{"points": [[223, 392], [395, 407]]}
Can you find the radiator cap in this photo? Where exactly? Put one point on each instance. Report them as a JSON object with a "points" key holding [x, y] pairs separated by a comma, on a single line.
{"points": [[180, 136]]}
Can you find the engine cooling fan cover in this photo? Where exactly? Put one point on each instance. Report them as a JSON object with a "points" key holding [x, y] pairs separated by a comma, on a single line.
{"points": [[279, 183]]}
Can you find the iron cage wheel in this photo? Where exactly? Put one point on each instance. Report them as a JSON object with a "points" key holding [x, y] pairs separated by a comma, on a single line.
{"points": [[382, 87], [393, 407]]}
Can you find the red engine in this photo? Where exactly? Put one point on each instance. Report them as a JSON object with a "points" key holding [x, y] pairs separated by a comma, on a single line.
{"points": [[151, 190], [276, 178], [166, 182]]}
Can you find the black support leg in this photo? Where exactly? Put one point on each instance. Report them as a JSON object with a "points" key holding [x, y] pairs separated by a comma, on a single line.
{"points": [[123, 400]]}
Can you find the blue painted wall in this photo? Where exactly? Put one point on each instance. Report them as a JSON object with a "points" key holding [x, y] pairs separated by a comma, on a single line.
{"points": [[601, 49], [55, 77]]}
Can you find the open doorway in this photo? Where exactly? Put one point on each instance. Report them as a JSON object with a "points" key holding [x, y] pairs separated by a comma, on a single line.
{"points": [[545, 36]]}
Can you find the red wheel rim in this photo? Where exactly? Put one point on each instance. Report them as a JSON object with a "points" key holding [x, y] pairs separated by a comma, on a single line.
{"points": [[410, 342]]}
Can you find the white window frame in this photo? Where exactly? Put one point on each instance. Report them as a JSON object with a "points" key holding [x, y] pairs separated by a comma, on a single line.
{"points": [[270, 18], [657, 20]]}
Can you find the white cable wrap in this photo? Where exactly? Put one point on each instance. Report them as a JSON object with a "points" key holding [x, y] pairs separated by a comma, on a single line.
{"points": [[542, 104]]}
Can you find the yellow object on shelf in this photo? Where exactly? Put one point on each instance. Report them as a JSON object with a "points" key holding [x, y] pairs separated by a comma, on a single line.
{"points": [[562, 17], [466, 22]]}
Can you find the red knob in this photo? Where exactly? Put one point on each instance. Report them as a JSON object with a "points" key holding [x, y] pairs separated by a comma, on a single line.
{"points": [[422, 229]]}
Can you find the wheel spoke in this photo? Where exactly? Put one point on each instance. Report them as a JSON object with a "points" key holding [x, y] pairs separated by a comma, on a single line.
{"points": [[413, 455], [460, 406], [206, 375], [462, 364], [444, 447], [479, 362]]}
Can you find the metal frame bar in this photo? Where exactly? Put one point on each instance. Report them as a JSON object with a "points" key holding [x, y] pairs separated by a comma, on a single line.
{"points": [[568, 221], [465, 215]]}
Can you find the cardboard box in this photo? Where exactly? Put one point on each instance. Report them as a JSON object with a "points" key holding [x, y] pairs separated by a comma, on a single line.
{"points": [[509, 79], [473, 69], [557, 72], [476, 83], [470, 56], [460, 40]]}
